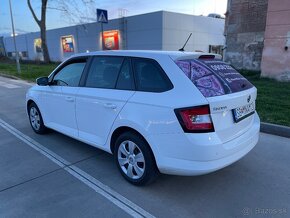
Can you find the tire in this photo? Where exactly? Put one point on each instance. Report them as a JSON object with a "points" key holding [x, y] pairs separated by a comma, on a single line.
{"points": [[35, 119], [135, 159]]}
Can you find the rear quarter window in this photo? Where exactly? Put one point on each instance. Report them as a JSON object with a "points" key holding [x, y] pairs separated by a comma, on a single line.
{"points": [[213, 77], [150, 77]]}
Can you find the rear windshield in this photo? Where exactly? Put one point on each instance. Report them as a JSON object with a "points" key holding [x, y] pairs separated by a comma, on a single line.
{"points": [[213, 77]]}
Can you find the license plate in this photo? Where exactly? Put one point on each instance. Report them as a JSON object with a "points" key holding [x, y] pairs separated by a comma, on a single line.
{"points": [[243, 112]]}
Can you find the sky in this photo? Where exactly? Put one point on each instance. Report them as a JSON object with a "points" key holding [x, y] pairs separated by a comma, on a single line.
{"points": [[24, 23]]}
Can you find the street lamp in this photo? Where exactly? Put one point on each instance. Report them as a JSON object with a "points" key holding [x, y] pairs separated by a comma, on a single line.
{"points": [[14, 39]]}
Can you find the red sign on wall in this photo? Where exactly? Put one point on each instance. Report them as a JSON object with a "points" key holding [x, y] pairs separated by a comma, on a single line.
{"points": [[111, 40]]}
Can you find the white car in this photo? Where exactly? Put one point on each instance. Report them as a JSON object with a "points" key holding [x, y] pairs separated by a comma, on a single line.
{"points": [[178, 113]]}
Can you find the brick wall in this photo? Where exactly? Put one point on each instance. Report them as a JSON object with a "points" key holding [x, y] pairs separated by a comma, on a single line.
{"points": [[276, 52], [244, 29]]}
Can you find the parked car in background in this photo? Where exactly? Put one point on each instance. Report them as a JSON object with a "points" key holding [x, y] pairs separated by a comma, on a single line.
{"points": [[178, 113]]}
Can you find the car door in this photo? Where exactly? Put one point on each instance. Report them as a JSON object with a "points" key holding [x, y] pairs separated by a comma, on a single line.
{"points": [[108, 87], [59, 97]]}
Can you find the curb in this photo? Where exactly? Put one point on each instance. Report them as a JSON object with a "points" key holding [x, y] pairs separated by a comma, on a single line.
{"points": [[275, 129], [9, 76], [15, 78]]}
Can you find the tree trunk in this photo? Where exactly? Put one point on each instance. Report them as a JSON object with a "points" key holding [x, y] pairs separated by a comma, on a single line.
{"points": [[46, 57], [42, 25]]}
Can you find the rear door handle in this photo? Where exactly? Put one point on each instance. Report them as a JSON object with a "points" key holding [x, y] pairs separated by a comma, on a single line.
{"points": [[110, 105], [70, 99]]}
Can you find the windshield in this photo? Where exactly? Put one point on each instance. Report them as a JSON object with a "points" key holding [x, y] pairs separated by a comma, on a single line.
{"points": [[213, 77]]}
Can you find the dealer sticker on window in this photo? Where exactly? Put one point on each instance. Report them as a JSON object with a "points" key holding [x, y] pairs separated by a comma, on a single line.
{"points": [[243, 112]]}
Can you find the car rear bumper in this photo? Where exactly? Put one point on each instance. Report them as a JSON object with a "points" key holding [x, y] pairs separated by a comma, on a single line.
{"points": [[197, 154]]}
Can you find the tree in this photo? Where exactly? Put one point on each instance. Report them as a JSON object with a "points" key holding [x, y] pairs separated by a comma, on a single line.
{"points": [[42, 25], [72, 10], [75, 11]]}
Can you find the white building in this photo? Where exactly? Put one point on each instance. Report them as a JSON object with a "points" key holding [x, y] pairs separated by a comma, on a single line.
{"points": [[153, 31]]}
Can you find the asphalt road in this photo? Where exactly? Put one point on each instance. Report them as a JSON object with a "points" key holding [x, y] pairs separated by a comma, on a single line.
{"points": [[55, 176]]}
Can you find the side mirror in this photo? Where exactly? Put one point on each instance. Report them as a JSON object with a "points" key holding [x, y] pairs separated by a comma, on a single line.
{"points": [[42, 81]]}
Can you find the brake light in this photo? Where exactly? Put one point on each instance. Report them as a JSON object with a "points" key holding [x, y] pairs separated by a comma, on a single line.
{"points": [[206, 57], [195, 119]]}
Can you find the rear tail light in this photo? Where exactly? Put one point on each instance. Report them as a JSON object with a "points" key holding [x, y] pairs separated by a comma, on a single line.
{"points": [[195, 119]]}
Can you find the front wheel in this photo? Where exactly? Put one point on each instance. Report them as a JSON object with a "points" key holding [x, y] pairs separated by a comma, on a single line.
{"points": [[135, 159], [35, 119]]}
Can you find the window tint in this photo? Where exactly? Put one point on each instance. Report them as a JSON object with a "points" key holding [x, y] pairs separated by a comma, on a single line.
{"points": [[149, 76], [103, 72], [125, 79], [69, 75], [213, 77]]}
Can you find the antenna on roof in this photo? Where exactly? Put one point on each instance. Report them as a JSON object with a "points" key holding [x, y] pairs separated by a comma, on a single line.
{"points": [[182, 49]]}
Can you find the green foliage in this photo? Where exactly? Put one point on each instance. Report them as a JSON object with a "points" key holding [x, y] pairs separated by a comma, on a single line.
{"points": [[273, 101], [29, 71]]}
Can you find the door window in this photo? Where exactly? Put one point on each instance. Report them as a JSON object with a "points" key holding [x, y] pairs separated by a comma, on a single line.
{"points": [[69, 75], [104, 72], [149, 76]]}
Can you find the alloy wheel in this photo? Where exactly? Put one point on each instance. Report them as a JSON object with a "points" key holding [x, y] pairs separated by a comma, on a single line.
{"points": [[34, 118], [131, 159]]}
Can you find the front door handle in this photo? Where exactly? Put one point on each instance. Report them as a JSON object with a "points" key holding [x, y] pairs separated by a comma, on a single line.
{"points": [[70, 99], [110, 105]]}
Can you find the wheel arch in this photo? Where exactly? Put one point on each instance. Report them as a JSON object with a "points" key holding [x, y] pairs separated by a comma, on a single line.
{"points": [[30, 101], [122, 129]]}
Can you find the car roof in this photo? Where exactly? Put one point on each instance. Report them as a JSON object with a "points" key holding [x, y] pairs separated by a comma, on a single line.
{"points": [[175, 55]]}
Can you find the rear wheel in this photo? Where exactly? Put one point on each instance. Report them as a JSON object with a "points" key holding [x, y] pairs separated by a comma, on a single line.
{"points": [[35, 119], [135, 159]]}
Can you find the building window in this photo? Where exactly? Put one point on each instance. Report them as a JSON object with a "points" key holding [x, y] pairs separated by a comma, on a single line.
{"points": [[67, 44], [24, 54], [111, 40], [37, 45]]}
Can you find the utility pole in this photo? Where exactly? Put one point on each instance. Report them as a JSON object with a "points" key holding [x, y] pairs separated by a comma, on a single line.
{"points": [[14, 39]]}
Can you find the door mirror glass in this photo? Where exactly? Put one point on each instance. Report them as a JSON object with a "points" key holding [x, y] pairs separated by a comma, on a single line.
{"points": [[42, 81]]}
